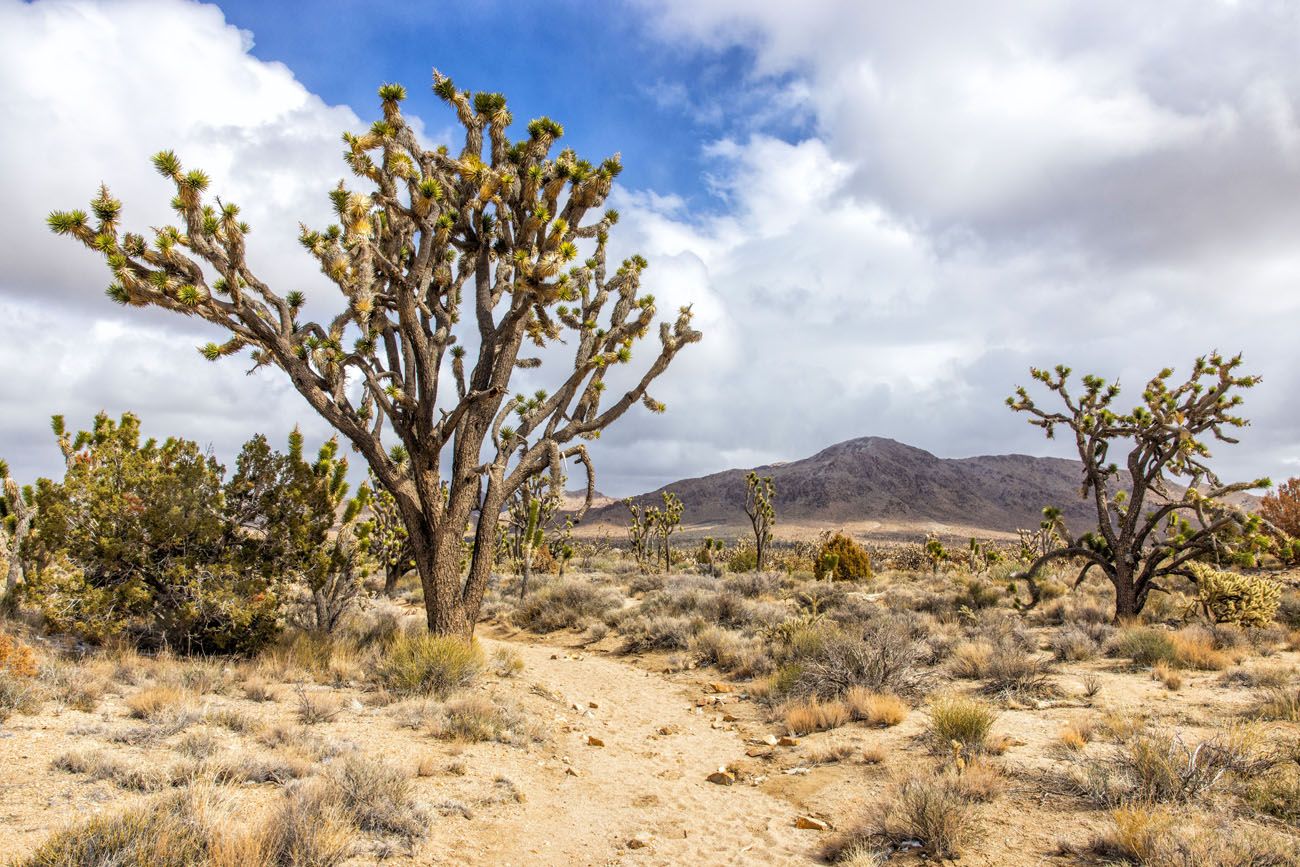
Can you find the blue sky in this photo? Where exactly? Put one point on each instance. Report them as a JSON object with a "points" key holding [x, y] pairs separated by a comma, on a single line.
{"points": [[595, 67], [883, 214]]}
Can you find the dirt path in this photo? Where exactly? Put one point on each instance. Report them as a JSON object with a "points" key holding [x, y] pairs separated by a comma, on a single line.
{"points": [[641, 782]]}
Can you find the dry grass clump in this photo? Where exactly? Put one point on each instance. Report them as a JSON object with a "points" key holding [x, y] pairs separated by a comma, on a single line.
{"points": [[1076, 736], [80, 687], [565, 605], [933, 811], [643, 632], [969, 660], [960, 720], [1191, 647], [1280, 704], [153, 704], [1154, 836], [100, 765], [18, 694], [507, 662], [317, 707], [257, 689], [1074, 643], [249, 768], [376, 796], [1160, 767], [828, 662], [1013, 672], [1276, 794], [814, 715], [475, 718], [1167, 675], [419, 663], [875, 708], [731, 652]]}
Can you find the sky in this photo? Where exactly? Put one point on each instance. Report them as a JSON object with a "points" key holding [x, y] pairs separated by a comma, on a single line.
{"points": [[883, 213]]}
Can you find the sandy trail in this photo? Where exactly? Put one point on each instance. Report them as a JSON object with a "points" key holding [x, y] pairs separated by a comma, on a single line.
{"points": [[640, 782]]}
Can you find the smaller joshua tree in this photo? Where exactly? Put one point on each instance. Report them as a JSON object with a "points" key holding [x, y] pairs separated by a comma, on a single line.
{"points": [[759, 493], [1146, 528], [528, 515], [386, 539], [667, 521], [639, 530], [17, 514]]}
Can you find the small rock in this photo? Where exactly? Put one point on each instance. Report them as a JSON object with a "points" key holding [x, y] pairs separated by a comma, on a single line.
{"points": [[788, 742], [721, 777], [721, 687], [593, 741], [669, 730], [555, 656], [640, 841], [811, 823], [757, 752], [570, 772], [797, 772], [770, 740], [592, 705], [357, 707], [730, 717]]}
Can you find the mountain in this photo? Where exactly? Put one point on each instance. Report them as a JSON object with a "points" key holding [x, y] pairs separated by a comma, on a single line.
{"points": [[892, 487]]}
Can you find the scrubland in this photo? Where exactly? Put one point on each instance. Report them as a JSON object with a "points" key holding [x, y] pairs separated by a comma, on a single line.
{"points": [[612, 716]]}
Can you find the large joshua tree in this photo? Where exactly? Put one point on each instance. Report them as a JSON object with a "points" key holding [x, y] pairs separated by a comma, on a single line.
{"points": [[1147, 529], [434, 244]]}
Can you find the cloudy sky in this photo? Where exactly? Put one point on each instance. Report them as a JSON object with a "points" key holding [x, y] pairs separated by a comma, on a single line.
{"points": [[883, 213]]}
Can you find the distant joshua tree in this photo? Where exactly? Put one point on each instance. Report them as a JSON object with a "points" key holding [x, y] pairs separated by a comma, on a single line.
{"points": [[488, 239], [1146, 530], [759, 493]]}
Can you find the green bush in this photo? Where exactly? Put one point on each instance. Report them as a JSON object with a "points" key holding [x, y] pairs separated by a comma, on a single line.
{"points": [[964, 721], [135, 542], [425, 664], [1144, 645], [839, 554]]}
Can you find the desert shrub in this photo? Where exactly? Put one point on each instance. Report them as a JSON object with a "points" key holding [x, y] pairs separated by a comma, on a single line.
{"points": [[1160, 767], [475, 718], [100, 765], [422, 663], [1073, 643], [1154, 836], [1230, 597], [565, 605], [1278, 703], [977, 594], [1276, 794], [659, 632], [1199, 649], [731, 652], [16, 658], [752, 585], [136, 541], [970, 659], [507, 662], [814, 715], [887, 658], [376, 796], [842, 559], [1145, 645], [930, 810], [1011, 671], [875, 708], [965, 721], [317, 707]]}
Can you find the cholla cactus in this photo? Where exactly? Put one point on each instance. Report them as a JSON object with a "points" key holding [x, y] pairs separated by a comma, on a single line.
{"points": [[1145, 531], [17, 515], [759, 492], [1230, 597], [504, 236]]}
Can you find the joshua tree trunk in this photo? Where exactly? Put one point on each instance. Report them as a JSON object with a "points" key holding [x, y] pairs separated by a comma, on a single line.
{"points": [[392, 574]]}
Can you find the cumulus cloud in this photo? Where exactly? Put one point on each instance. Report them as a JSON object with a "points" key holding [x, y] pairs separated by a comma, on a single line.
{"points": [[1105, 184], [1110, 185], [93, 89]]}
